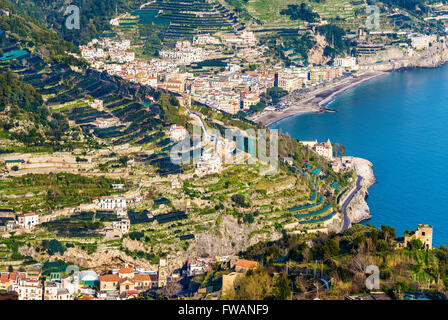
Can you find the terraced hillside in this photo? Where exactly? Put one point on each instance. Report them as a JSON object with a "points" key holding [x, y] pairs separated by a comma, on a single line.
{"points": [[187, 18], [268, 11]]}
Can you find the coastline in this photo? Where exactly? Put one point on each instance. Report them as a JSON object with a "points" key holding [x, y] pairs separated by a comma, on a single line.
{"points": [[355, 206], [317, 100]]}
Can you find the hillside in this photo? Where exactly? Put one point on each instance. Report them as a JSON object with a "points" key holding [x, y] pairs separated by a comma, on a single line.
{"points": [[94, 15]]}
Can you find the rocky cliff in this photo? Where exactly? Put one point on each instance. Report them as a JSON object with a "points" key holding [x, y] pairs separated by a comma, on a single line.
{"points": [[358, 209], [401, 58]]}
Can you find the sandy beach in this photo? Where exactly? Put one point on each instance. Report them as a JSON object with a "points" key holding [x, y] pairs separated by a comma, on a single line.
{"points": [[315, 100]]}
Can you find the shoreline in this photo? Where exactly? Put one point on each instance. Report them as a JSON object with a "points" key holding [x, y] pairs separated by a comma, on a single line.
{"points": [[355, 206], [317, 100]]}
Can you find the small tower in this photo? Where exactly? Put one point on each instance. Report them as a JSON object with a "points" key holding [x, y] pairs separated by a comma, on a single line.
{"points": [[163, 273], [423, 233]]}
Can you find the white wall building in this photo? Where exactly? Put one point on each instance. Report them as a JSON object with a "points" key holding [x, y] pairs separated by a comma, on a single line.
{"points": [[111, 202], [28, 220]]}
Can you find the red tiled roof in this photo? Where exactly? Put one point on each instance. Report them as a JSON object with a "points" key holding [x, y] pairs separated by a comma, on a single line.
{"points": [[110, 278], [142, 277], [131, 292], [246, 263], [29, 214], [126, 270], [86, 297]]}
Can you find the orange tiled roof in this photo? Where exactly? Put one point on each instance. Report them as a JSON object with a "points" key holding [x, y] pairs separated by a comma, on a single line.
{"points": [[132, 292], [142, 277], [126, 270], [86, 297], [246, 263], [110, 278], [4, 278], [29, 214]]}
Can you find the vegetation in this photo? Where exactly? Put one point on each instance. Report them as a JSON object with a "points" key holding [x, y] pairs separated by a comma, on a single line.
{"points": [[342, 261], [302, 12], [50, 191]]}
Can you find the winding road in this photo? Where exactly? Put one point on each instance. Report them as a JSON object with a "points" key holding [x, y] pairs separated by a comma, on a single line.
{"points": [[347, 201]]}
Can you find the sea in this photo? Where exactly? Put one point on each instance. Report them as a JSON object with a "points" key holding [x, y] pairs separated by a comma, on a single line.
{"points": [[399, 122]]}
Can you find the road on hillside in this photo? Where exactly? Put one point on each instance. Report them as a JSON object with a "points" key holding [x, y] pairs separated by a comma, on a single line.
{"points": [[347, 202]]}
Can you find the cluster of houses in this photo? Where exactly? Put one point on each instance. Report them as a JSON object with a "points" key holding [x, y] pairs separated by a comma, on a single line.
{"points": [[118, 204], [60, 283], [199, 265], [26, 221], [184, 53], [122, 283], [229, 90]]}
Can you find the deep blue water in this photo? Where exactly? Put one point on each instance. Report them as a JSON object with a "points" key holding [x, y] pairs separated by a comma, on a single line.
{"points": [[399, 122]]}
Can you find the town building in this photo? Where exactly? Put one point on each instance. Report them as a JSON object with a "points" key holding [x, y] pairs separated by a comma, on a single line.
{"points": [[28, 220], [241, 267], [126, 282], [346, 62], [110, 202], [421, 41], [423, 233], [199, 265], [324, 149], [123, 225], [28, 289], [208, 164], [8, 279], [178, 133], [162, 273]]}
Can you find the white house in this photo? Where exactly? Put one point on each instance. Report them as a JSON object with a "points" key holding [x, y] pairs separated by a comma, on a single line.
{"points": [[28, 289], [178, 133], [123, 225], [347, 62], [324, 149], [111, 202], [208, 164], [28, 220]]}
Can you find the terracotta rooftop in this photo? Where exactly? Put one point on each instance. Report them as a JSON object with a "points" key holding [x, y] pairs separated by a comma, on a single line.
{"points": [[142, 277], [110, 278], [246, 263], [86, 297], [126, 270]]}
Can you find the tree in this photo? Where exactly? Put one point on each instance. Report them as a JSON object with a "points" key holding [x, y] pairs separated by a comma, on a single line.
{"points": [[172, 288], [282, 290], [241, 114], [331, 248], [399, 287], [255, 285], [302, 12], [240, 200], [415, 244], [53, 246], [388, 233]]}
